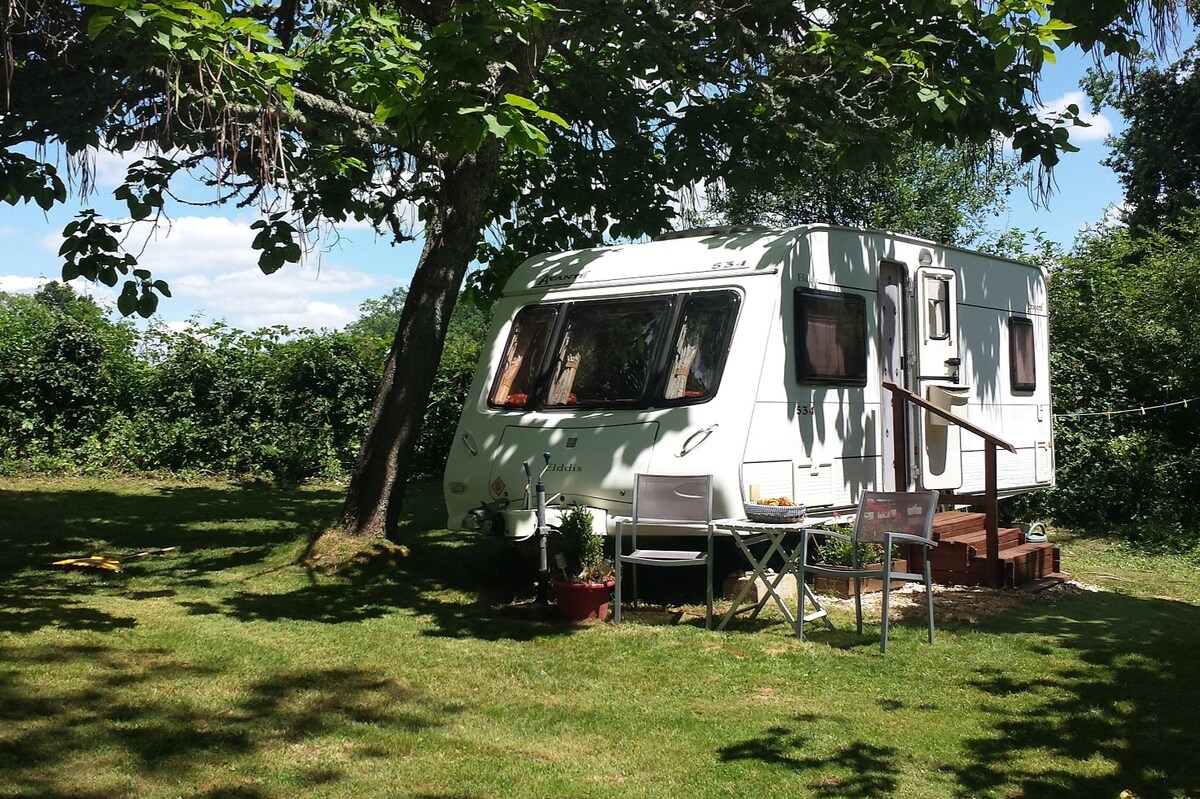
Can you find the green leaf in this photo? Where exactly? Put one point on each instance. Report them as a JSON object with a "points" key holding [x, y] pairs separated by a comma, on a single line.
{"points": [[518, 101], [555, 118], [497, 128], [99, 21], [147, 304], [270, 262], [1004, 55], [128, 301]]}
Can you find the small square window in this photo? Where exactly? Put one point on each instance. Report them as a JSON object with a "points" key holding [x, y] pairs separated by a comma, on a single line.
{"points": [[831, 338], [1021, 354]]}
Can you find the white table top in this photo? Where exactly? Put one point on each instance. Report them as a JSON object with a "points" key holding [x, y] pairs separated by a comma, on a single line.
{"points": [[748, 526]]}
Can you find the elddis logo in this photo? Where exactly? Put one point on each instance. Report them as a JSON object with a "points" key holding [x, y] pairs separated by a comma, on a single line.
{"points": [[564, 277], [565, 467]]}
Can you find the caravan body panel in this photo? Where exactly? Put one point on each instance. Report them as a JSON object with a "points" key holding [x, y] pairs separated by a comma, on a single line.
{"points": [[608, 359]]}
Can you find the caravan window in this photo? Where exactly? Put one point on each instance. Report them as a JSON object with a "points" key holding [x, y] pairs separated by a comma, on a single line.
{"points": [[831, 338], [606, 354], [523, 356], [705, 328], [937, 316], [1021, 351]]}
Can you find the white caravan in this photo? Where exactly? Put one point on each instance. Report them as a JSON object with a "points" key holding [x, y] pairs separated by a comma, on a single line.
{"points": [[758, 356]]}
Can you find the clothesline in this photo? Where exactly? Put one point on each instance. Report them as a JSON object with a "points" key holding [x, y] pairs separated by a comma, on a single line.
{"points": [[1142, 410]]}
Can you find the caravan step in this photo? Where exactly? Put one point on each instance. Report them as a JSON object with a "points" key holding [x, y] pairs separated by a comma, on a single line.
{"points": [[977, 539], [1027, 562], [950, 523], [1042, 583], [956, 554]]}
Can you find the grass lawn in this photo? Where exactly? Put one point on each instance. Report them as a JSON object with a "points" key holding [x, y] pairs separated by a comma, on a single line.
{"points": [[232, 669]]}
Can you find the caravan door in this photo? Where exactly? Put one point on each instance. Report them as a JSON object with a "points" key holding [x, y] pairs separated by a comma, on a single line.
{"points": [[938, 365]]}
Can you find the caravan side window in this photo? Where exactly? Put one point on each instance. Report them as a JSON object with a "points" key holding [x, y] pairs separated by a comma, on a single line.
{"points": [[523, 356], [831, 338], [1021, 353], [937, 297], [705, 328], [607, 350]]}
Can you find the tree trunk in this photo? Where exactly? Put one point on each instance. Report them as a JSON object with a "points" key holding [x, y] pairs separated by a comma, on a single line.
{"points": [[452, 230]]}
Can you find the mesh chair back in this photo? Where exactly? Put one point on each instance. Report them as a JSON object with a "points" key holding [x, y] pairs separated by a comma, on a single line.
{"points": [[880, 513], [673, 498]]}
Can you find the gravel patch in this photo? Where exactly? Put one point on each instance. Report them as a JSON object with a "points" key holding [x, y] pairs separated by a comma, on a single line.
{"points": [[963, 602]]}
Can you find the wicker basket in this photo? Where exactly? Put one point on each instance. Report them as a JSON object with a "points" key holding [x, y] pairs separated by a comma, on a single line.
{"points": [[779, 514]]}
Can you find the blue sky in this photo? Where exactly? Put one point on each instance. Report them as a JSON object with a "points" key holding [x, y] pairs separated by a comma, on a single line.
{"points": [[204, 253]]}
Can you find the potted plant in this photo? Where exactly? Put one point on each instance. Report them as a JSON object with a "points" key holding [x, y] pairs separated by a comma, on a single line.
{"points": [[839, 552], [585, 578]]}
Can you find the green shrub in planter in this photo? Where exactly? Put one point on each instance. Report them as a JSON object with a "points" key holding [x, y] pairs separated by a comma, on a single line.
{"points": [[582, 549], [837, 552]]}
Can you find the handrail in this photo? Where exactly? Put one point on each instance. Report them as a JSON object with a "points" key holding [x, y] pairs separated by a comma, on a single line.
{"points": [[991, 503], [916, 399]]}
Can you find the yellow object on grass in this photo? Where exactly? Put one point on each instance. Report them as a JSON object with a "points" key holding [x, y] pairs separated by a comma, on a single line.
{"points": [[106, 562], [111, 563]]}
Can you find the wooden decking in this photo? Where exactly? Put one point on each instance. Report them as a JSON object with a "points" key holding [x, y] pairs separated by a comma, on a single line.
{"points": [[960, 557]]}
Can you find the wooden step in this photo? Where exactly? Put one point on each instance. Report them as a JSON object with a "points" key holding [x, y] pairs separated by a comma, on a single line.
{"points": [[952, 577], [1009, 537], [1019, 565], [951, 522], [1027, 562], [956, 554]]}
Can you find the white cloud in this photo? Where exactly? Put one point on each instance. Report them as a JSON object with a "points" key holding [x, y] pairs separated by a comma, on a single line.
{"points": [[19, 284], [311, 314], [1099, 128], [108, 169], [193, 244], [24, 284], [210, 266]]}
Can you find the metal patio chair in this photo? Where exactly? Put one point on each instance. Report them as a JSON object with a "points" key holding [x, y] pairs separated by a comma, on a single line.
{"points": [[884, 519], [676, 501]]}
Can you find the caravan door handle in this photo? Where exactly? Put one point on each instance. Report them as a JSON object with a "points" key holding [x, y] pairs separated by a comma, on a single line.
{"points": [[468, 441], [696, 439]]}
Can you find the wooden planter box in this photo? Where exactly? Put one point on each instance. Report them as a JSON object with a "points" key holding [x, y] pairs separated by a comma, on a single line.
{"points": [[844, 586]]}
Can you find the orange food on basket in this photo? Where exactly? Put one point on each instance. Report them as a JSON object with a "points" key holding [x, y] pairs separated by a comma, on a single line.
{"points": [[781, 502]]}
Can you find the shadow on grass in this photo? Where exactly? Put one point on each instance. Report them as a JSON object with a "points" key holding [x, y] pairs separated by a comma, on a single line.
{"points": [[463, 585], [1128, 701], [215, 528], [1107, 703], [856, 770], [143, 708]]}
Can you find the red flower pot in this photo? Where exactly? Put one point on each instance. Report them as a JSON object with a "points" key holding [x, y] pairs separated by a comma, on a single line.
{"points": [[579, 601]]}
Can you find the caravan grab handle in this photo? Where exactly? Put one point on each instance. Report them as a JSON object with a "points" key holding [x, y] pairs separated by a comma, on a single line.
{"points": [[696, 439]]}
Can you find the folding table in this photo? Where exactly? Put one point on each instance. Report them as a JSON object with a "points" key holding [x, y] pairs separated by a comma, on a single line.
{"points": [[746, 533]]}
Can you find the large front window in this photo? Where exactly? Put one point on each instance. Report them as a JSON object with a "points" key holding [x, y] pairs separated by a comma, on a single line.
{"points": [[705, 329], [643, 352], [523, 356], [606, 352]]}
